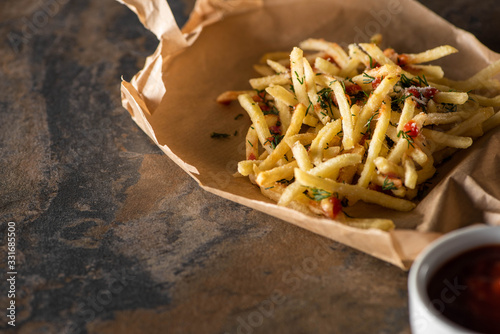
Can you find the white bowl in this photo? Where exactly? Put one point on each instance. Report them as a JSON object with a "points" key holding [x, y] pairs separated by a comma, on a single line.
{"points": [[424, 317]]}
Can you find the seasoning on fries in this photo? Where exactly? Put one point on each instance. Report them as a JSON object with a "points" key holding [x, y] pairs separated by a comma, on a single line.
{"points": [[331, 127]]}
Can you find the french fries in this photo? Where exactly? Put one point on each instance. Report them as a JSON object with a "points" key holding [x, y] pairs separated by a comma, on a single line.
{"points": [[331, 127]]}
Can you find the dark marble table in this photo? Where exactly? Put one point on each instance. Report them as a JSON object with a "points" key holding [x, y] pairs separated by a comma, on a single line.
{"points": [[113, 237]]}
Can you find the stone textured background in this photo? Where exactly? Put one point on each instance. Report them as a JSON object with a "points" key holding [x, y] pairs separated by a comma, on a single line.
{"points": [[112, 237]]}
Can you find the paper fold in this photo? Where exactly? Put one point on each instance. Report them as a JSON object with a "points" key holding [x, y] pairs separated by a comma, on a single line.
{"points": [[172, 99]]}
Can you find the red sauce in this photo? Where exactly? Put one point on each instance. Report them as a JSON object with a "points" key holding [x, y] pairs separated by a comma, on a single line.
{"points": [[466, 289]]}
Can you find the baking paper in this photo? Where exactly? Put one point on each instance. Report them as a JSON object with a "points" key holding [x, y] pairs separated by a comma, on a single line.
{"points": [[173, 100]]}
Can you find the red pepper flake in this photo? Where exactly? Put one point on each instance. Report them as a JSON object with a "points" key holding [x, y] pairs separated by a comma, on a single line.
{"points": [[352, 89], [252, 157]]}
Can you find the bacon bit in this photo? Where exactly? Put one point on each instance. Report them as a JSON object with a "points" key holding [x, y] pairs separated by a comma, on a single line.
{"points": [[403, 59], [414, 91], [257, 98], [252, 157], [331, 207], [264, 107], [364, 138], [430, 92], [376, 82], [411, 128], [353, 89], [275, 129], [422, 94]]}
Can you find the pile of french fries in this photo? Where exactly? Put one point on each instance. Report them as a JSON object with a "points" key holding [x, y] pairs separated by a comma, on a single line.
{"points": [[334, 126]]}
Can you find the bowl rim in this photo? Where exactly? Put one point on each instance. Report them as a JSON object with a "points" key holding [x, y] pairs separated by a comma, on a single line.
{"points": [[422, 270]]}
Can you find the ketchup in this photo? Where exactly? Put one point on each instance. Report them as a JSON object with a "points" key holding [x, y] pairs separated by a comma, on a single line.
{"points": [[466, 289]]}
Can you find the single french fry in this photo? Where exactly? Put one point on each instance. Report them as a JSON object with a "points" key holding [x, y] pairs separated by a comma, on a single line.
{"points": [[258, 119], [332, 49], [407, 113], [411, 176], [245, 167], [310, 119], [376, 55], [285, 172], [345, 111], [446, 118], [279, 93], [292, 193], [430, 55], [285, 115], [356, 52], [352, 191], [252, 144], [263, 70], [310, 78], [277, 67], [369, 223], [429, 71], [480, 79], [298, 76], [444, 139], [303, 138], [276, 79], [326, 67], [477, 119], [331, 152], [492, 122], [331, 168], [419, 156], [451, 97], [376, 143], [486, 101], [427, 171], [301, 156], [232, 95]]}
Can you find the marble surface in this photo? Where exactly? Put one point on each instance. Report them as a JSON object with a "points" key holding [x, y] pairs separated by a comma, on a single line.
{"points": [[113, 237]]}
